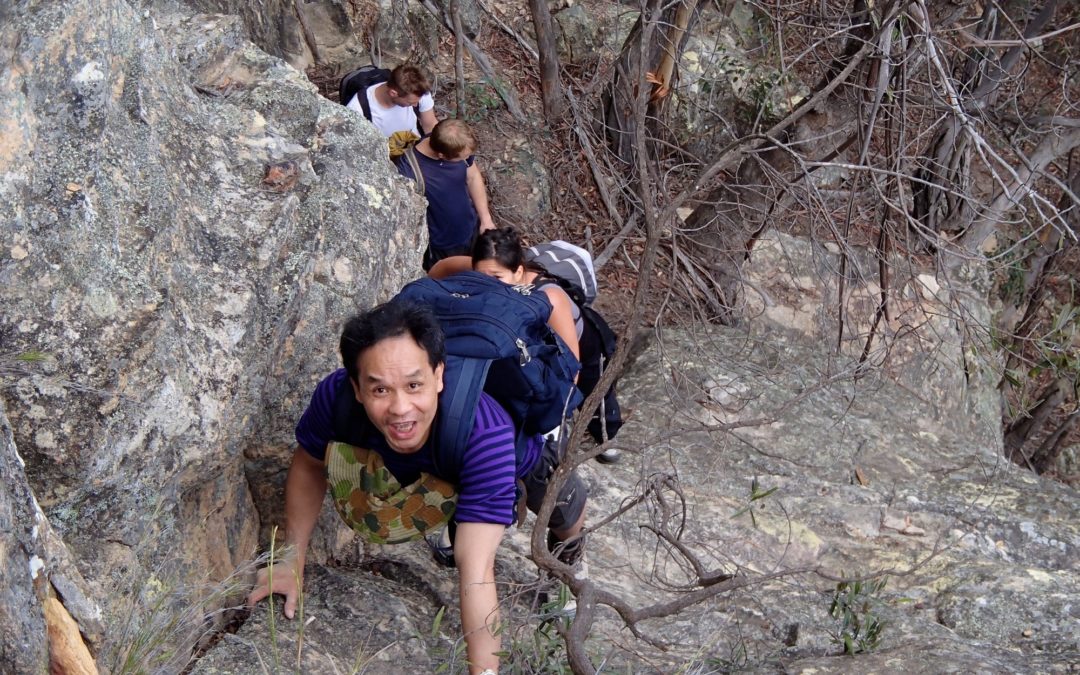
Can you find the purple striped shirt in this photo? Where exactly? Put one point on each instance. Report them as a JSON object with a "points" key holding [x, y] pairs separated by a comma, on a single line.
{"points": [[488, 466]]}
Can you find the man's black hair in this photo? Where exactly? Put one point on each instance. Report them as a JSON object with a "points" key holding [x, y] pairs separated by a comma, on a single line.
{"points": [[389, 320]]}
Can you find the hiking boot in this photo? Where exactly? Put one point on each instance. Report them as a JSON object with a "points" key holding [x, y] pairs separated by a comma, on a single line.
{"points": [[567, 553], [442, 550], [609, 456]]}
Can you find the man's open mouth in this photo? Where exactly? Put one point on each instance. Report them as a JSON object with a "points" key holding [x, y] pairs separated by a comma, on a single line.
{"points": [[402, 428]]}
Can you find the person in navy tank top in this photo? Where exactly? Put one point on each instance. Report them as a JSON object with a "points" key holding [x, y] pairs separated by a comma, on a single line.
{"points": [[457, 196]]}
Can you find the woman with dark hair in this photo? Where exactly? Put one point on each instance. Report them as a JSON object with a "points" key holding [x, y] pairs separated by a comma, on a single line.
{"points": [[498, 253]]}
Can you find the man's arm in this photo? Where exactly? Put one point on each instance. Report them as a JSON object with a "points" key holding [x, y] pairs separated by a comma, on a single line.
{"points": [[474, 552], [478, 193], [305, 487], [428, 121]]}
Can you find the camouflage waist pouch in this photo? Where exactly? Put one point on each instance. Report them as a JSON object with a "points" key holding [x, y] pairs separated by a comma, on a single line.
{"points": [[374, 504]]}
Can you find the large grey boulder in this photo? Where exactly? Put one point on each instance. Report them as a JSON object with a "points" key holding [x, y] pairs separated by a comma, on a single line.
{"points": [[185, 223], [303, 32], [577, 34], [401, 30]]}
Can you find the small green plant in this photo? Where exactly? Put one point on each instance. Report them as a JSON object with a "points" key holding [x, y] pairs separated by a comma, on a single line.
{"points": [[540, 650], [737, 660], [449, 655], [756, 494], [858, 628], [16, 364], [31, 357], [163, 619], [483, 98]]}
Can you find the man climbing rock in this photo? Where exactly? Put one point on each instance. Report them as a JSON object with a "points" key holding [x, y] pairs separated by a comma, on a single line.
{"points": [[395, 101], [393, 391]]}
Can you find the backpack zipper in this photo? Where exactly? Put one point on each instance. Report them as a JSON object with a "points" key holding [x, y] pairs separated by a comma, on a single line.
{"points": [[525, 357]]}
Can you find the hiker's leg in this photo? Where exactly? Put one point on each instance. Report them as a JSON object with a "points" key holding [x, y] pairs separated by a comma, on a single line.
{"points": [[567, 532], [568, 516], [569, 552]]}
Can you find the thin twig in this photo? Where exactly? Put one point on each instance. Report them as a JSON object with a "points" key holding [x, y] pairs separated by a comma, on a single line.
{"points": [[509, 30], [505, 93], [1031, 43], [590, 155], [616, 242]]}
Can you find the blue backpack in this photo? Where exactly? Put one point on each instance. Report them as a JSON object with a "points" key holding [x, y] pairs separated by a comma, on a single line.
{"points": [[498, 342]]}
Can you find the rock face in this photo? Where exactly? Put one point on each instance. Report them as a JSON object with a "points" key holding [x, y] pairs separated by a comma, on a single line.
{"points": [[577, 34], [37, 567], [303, 32], [185, 223]]}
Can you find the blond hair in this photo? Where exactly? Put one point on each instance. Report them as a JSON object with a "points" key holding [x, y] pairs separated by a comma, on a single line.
{"points": [[452, 137]]}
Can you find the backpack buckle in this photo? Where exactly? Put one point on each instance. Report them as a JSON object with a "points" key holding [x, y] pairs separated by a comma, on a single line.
{"points": [[524, 349]]}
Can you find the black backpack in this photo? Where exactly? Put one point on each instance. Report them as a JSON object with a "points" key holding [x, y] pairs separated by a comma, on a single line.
{"points": [[597, 346], [358, 81]]}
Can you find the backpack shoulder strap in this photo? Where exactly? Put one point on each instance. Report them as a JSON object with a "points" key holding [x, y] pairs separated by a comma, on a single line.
{"points": [[546, 278], [357, 82], [603, 330], [365, 104], [414, 164], [463, 380]]}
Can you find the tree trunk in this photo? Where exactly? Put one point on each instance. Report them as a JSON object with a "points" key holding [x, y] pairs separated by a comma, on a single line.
{"points": [[459, 57], [550, 85], [1044, 458], [1031, 422], [664, 29], [945, 173], [722, 230], [1041, 264]]}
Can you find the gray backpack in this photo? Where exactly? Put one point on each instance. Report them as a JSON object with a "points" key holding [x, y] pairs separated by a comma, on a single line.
{"points": [[571, 266]]}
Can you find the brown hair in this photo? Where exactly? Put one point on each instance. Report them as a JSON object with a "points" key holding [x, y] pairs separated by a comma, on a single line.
{"points": [[452, 137], [409, 79]]}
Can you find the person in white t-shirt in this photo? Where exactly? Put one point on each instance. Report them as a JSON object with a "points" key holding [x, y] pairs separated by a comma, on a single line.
{"points": [[394, 105]]}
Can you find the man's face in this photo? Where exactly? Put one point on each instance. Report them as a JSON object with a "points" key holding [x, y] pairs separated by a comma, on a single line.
{"points": [[402, 99], [399, 391]]}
